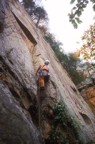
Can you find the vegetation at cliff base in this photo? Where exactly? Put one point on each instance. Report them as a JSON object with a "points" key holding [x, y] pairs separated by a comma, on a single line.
{"points": [[64, 128]]}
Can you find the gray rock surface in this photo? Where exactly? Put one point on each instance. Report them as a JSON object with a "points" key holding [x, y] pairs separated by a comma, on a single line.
{"points": [[22, 49], [16, 126]]}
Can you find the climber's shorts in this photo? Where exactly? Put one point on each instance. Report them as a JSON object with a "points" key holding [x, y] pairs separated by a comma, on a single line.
{"points": [[41, 82]]}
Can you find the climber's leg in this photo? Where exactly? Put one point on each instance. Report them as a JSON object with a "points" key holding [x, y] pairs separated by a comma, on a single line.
{"points": [[41, 83], [46, 78]]}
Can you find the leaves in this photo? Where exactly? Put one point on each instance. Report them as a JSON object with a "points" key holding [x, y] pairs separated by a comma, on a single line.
{"points": [[77, 10], [72, 1], [94, 7], [77, 54], [78, 20], [87, 51], [88, 48], [75, 24]]}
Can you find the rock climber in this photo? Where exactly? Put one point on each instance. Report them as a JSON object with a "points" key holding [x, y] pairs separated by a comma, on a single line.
{"points": [[43, 74]]}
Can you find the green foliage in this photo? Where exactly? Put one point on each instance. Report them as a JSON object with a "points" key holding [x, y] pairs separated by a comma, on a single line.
{"points": [[91, 142], [29, 5], [55, 135], [72, 1], [40, 14], [77, 10], [60, 114], [62, 119]]}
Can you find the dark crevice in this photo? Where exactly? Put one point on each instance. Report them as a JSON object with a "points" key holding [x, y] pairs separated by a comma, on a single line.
{"points": [[74, 89], [1, 26], [31, 98], [33, 110], [1, 70], [8, 68], [38, 54], [14, 93], [8, 53], [85, 87], [10, 61], [54, 85], [85, 118], [47, 141]]}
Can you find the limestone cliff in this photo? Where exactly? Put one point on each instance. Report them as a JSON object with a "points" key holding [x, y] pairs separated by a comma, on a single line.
{"points": [[22, 49]]}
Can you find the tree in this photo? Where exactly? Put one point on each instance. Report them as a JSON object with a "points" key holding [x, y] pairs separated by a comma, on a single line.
{"points": [[87, 51], [78, 8], [38, 14], [29, 5]]}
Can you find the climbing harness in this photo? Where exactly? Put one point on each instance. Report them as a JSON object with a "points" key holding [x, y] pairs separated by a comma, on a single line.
{"points": [[43, 70]]}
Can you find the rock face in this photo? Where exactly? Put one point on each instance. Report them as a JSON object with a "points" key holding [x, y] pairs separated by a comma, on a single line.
{"points": [[22, 50], [15, 124], [87, 90]]}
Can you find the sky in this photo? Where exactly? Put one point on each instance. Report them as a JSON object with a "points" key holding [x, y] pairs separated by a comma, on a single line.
{"points": [[60, 26]]}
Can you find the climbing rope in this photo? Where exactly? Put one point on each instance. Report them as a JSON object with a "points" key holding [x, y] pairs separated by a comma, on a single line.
{"points": [[40, 115], [39, 109]]}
